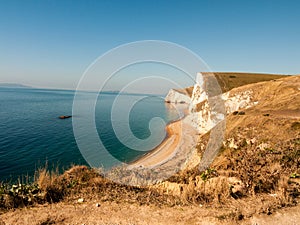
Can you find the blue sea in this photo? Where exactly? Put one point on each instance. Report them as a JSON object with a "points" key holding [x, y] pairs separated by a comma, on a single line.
{"points": [[32, 136]]}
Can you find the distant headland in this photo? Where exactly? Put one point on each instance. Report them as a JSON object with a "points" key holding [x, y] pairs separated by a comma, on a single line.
{"points": [[13, 85]]}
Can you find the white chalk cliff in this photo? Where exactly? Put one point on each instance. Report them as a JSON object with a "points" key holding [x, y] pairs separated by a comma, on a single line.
{"points": [[177, 96], [207, 109]]}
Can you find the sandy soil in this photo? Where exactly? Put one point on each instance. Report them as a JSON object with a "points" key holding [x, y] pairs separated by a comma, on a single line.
{"points": [[106, 213], [124, 213]]}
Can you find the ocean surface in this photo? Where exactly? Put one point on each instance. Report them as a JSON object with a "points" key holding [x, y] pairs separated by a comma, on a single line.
{"points": [[32, 136]]}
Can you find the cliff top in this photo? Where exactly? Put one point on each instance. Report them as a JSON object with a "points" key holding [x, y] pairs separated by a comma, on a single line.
{"points": [[230, 80]]}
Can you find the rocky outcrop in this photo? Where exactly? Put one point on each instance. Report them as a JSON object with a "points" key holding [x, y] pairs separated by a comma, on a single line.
{"points": [[64, 117], [178, 97], [209, 106], [237, 101]]}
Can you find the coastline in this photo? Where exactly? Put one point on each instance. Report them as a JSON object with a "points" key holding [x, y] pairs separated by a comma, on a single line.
{"points": [[164, 149], [176, 138]]}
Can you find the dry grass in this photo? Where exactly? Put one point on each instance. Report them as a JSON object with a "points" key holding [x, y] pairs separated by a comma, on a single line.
{"points": [[230, 80], [189, 91], [261, 154]]}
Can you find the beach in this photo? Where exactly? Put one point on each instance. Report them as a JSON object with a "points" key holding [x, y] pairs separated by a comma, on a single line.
{"points": [[181, 137]]}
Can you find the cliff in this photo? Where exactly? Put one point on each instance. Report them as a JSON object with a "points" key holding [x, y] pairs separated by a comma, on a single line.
{"points": [[216, 95], [259, 146], [178, 96], [209, 105]]}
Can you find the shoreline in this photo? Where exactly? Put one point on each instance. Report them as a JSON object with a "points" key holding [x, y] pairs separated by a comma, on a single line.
{"points": [[166, 148]]}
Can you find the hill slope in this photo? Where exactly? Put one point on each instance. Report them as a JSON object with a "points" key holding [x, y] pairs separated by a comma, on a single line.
{"points": [[266, 137], [230, 80]]}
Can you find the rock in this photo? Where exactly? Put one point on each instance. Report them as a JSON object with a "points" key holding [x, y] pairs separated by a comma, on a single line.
{"points": [[202, 116], [237, 186], [177, 96], [236, 101], [231, 143], [64, 117], [263, 146], [97, 204], [253, 140], [81, 200]]}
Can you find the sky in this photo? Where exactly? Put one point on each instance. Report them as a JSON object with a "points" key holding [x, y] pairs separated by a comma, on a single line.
{"points": [[51, 43]]}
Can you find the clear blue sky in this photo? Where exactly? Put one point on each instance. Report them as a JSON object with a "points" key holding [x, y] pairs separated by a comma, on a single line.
{"points": [[51, 43]]}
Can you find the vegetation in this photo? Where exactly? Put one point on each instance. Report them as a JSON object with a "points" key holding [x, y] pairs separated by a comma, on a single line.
{"points": [[230, 80], [79, 181]]}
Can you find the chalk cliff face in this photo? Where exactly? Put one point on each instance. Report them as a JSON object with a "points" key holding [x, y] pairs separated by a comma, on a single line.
{"points": [[177, 96], [208, 109]]}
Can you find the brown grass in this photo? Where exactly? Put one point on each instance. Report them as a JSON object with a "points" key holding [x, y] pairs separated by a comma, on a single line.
{"points": [[189, 90], [230, 80]]}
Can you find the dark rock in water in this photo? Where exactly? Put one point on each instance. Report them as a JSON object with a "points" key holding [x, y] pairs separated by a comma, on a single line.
{"points": [[64, 117]]}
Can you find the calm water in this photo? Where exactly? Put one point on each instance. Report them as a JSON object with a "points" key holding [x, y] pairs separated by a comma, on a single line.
{"points": [[31, 133]]}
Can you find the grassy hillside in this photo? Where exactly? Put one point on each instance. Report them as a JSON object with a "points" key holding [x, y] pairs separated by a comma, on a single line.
{"points": [[260, 158], [230, 80]]}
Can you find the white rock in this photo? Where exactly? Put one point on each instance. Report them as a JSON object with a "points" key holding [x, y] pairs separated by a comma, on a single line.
{"points": [[176, 96], [253, 140], [81, 200], [263, 146], [238, 101], [232, 144], [201, 116], [237, 186]]}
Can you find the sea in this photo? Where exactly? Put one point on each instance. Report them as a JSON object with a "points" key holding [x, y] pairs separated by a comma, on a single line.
{"points": [[32, 136]]}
